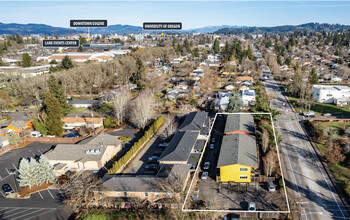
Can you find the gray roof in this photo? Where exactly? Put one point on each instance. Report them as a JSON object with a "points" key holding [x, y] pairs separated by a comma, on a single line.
{"points": [[172, 174], [84, 101], [199, 144], [76, 152], [19, 123], [347, 131], [239, 122], [238, 149], [180, 146], [195, 121]]}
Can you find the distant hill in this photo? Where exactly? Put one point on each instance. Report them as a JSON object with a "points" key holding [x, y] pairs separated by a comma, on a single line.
{"points": [[114, 29], [211, 29], [313, 27], [23, 29]]}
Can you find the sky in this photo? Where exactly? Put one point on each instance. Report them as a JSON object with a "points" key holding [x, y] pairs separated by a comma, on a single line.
{"points": [[192, 14]]}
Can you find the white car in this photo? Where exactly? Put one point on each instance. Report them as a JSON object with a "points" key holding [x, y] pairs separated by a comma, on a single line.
{"points": [[251, 207], [206, 165], [271, 187], [211, 146], [204, 175]]}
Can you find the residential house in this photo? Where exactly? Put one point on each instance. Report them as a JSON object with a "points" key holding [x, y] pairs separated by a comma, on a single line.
{"points": [[240, 79], [71, 123], [338, 95], [238, 154], [84, 103], [196, 121], [90, 154], [248, 98], [19, 125], [229, 87]]}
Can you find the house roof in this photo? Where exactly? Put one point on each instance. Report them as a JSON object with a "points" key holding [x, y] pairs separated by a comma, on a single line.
{"points": [[76, 152], [242, 78], [172, 174], [180, 146], [84, 101], [239, 122], [194, 121], [19, 124], [87, 120], [347, 131], [238, 149]]}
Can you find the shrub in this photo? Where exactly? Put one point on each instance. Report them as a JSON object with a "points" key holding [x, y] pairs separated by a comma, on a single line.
{"points": [[109, 122]]}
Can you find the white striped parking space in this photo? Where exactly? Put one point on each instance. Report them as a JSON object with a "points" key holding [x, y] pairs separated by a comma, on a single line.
{"points": [[12, 213]]}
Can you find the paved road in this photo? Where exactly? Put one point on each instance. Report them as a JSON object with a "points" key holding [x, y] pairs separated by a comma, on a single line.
{"points": [[305, 176]]}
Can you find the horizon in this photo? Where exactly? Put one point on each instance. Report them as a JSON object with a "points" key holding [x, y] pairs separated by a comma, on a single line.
{"points": [[193, 14]]}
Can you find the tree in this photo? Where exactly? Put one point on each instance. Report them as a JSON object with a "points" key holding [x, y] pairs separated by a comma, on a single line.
{"points": [[138, 75], [120, 101], [14, 138], [53, 109], [334, 153], [53, 62], [216, 46], [313, 79], [250, 53], [265, 140], [36, 177], [187, 46], [25, 175], [67, 63], [234, 104], [109, 122], [46, 170], [269, 163], [142, 109], [82, 40], [56, 89], [80, 49], [26, 60]]}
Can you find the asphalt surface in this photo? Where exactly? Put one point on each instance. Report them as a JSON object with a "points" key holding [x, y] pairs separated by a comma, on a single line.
{"points": [[43, 205], [304, 174]]}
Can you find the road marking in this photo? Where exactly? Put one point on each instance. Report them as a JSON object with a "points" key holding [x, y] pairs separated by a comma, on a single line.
{"points": [[3, 194], [40, 214], [15, 167], [51, 194], [7, 170], [17, 213], [26, 214], [41, 195], [40, 152], [34, 154], [12, 210], [61, 193]]}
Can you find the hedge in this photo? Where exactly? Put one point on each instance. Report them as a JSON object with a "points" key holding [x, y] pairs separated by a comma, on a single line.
{"points": [[151, 130]]}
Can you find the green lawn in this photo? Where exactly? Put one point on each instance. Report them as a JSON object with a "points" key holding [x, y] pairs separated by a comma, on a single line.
{"points": [[320, 108], [341, 174], [338, 127], [322, 148]]}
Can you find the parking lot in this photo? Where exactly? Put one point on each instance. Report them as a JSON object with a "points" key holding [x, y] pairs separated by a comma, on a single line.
{"points": [[210, 194], [46, 204]]}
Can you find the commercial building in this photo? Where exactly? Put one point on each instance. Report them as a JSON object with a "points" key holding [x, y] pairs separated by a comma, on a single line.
{"points": [[90, 154], [338, 95]]}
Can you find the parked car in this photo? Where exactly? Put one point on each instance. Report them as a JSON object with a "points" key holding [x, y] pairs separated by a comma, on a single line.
{"points": [[327, 114], [196, 190], [206, 166], [7, 189], [251, 207], [271, 187], [204, 175], [151, 167], [195, 197], [163, 145], [211, 146], [35, 134], [71, 135], [213, 140], [309, 114], [158, 153], [153, 158]]}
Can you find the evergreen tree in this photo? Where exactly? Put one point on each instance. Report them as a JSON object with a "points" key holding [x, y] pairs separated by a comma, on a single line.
{"points": [[234, 104], [53, 109], [25, 176], [53, 62], [47, 171], [26, 60], [56, 89], [187, 46], [138, 75], [313, 79], [82, 40], [67, 63], [216, 46], [250, 53], [80, 49], [36, 177]]}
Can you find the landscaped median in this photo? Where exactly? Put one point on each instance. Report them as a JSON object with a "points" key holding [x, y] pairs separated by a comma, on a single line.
{"points": [[137, 146]]}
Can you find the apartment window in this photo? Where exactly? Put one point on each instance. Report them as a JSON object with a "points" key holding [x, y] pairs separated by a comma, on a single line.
{"points": [[118, 193], [243, 177], [156, 194], [146, 194], [125, 193], [243, 169]]}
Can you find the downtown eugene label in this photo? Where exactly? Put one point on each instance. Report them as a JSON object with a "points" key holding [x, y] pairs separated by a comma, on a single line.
{"points": [[88, 23]]}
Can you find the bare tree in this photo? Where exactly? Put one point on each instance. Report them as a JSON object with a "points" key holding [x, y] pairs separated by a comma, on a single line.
{"points": [[265, 140], [142, 108], [120, 101], [269, 163], [169, 130]]}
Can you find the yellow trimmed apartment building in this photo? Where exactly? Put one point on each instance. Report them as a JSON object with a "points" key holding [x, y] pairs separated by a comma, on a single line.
{"points": [[238, 153]]}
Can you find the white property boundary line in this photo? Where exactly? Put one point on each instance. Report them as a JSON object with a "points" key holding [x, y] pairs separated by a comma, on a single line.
{"points": [[236, 210]]}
